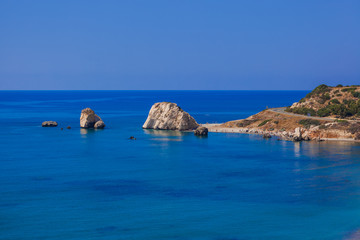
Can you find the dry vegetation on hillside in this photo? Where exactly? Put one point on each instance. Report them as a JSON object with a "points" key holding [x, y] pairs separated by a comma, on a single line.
{"points": [[324, 101]]}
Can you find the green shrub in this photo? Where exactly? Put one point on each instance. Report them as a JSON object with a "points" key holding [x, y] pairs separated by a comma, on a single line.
{"points": [[318, 90], [308, 122], [348, 89], [356, 94], [339, 95], [264, 122], [341, 121], [335, 101], [303, 111], [245, 123], [324, 112]]}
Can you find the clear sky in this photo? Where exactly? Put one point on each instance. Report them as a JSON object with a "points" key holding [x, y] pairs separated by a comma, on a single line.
{"points": [[179, 44]]}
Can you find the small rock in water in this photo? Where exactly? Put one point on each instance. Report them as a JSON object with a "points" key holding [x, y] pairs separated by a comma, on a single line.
{"points": [[132, 138], [49, 124], [68, 127], [201, 131], [296, 139], [307, 138], [61, 128], [267, 135], [99, 124]]}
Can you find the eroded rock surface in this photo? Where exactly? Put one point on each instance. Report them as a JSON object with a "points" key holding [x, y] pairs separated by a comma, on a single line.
{"points": [[49, 124], [201, 131], [89, 119], [169, 116]]}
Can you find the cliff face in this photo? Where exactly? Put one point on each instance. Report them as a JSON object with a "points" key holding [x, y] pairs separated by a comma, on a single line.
{"points": [[325, 101], [169, 116]]}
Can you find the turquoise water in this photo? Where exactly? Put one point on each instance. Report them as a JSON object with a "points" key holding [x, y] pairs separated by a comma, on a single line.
{"points": [[98, 184]]}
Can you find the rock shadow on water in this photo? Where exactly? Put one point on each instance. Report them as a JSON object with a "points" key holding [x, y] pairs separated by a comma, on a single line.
{"points": [[88, 132], [165, 133]]}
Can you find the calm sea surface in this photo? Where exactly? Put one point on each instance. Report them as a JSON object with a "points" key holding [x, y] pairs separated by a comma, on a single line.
{"points": [[86, 184]]}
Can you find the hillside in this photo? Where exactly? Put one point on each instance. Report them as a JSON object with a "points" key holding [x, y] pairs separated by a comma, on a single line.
{"points": [[325, 101], [326, 113]]}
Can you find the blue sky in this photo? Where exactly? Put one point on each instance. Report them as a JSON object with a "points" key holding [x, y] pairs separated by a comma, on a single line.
{"points": [[187, 44]]}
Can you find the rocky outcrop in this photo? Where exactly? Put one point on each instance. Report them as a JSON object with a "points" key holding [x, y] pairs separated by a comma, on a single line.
{"points": [[266, 135], [89, 119], [201, 131], [169, 116], [99, 124], [49, 124]]}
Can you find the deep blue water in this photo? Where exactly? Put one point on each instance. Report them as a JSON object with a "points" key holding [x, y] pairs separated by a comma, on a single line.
{"points": [[86, 184]]}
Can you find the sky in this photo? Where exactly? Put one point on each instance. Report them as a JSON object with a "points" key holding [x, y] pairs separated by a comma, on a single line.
{"points": [[178, 44]]}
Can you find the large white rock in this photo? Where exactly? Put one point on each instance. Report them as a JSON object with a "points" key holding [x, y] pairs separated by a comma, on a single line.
{"points": [[169, 116], [88, 118], [297, 132]]}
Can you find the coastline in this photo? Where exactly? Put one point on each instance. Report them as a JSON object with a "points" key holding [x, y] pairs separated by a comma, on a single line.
{"points": [[220, 128]]}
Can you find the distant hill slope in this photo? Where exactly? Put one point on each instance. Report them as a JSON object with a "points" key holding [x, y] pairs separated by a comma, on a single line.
{"points": [[325, 101]]}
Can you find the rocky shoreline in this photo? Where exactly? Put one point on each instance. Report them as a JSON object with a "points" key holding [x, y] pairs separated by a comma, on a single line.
{"points": [[280, 135]]}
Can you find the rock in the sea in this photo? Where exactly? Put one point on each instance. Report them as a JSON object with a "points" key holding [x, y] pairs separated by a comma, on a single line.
{"points": [[68, 127], [99, 124], [298, 133], [169, 116], [267, 135], [201, 131], [49, 124], [88, 118]]}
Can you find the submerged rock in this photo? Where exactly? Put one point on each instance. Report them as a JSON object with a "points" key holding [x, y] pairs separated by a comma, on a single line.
{"points": [[169, 116], [201, 131], [49, 124], [68, 127], [88, 119]]}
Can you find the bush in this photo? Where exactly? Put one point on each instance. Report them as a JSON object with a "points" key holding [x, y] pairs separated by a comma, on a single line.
{"points": [[318, 90], [348, 89], [339, 95], [264, 122], [308, 122], [339, 85], [324, 112], [303, 111], [356, 94], [245, 123], [335, 101], [342, 122]]}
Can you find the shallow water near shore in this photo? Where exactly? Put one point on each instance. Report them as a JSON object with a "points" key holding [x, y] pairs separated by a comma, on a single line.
{"points": [[98, 184]]}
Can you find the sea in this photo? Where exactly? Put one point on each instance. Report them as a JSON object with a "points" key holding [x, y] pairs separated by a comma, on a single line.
{"points": [[74, 184]]}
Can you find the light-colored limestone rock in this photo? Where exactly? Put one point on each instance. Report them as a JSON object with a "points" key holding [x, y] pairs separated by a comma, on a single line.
{"points": [[49, 124], [297, 133], [169, 116], [88, 118]]}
